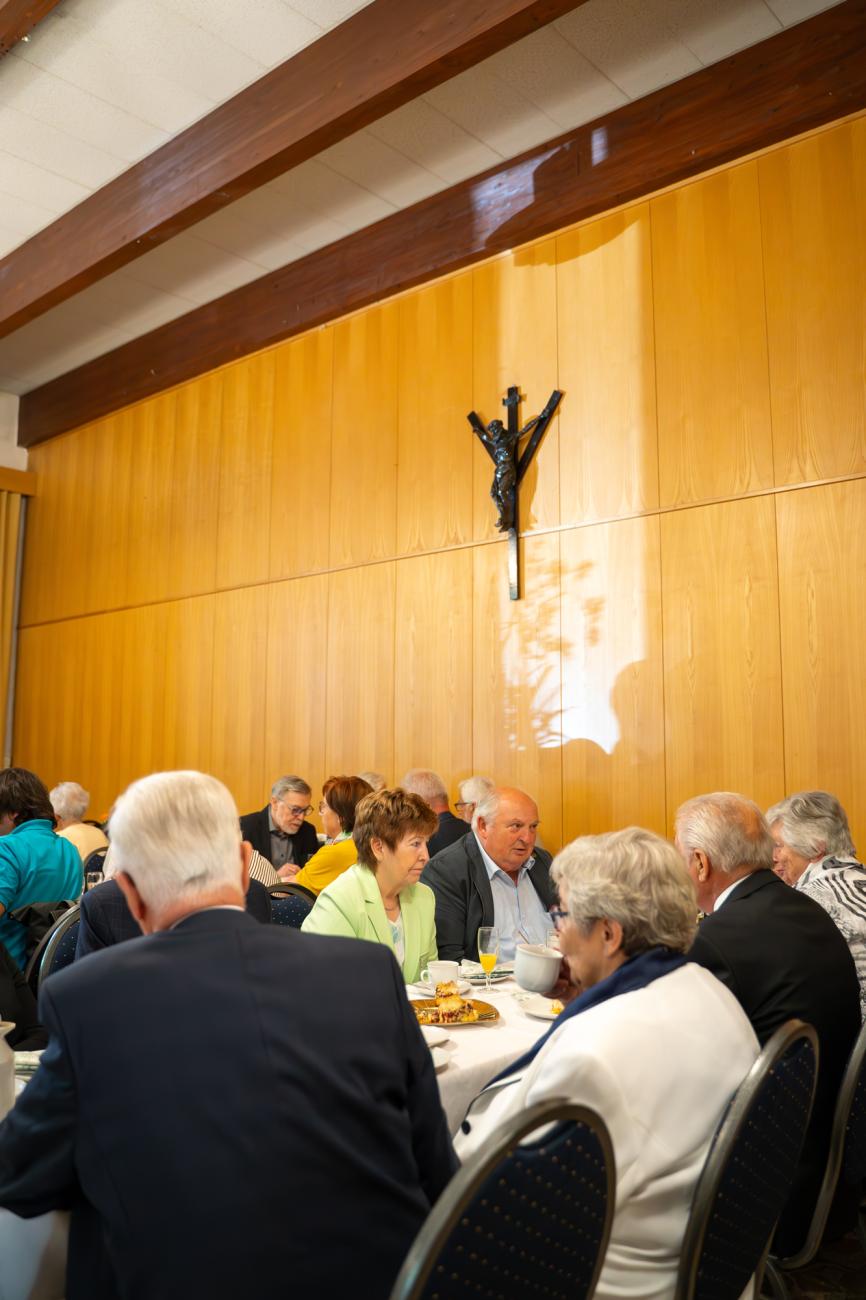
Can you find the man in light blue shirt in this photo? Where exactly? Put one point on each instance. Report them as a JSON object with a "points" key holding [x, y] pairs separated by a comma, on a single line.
{"points": [[493, 876]]}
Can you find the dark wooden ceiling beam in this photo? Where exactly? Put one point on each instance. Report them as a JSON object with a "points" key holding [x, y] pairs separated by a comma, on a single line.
{"points": [[381, 57], [19, 17], [802, 78]]}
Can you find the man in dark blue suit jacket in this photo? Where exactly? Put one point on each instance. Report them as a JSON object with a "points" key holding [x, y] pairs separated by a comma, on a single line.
{"points": [[234, 1108], [105, 918]]}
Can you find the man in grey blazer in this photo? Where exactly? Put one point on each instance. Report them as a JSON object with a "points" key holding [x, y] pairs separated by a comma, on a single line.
{"points": [[493, 876]]}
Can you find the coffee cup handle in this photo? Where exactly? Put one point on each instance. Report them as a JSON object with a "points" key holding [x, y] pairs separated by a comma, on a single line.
{"points": [[424, 977]]}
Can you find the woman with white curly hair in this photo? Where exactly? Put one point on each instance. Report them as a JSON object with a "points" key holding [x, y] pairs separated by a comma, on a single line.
{"points": [[634, 1046]]}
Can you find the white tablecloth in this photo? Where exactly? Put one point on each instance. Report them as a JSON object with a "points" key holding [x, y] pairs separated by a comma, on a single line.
{"points": [[477, 1052]]}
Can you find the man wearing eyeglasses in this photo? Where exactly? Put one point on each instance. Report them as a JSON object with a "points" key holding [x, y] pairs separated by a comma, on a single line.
{"points": [[279, 832]]}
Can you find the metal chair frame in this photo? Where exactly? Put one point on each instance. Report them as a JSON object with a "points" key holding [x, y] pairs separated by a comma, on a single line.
{"points": [[90, 860], [724, 1143], [461, 1190], [286, 887], [52, 942], [34, 961], [835, 1159]]}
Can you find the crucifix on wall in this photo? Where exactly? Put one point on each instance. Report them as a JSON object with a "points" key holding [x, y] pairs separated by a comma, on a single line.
{"points": [[502, 442]]}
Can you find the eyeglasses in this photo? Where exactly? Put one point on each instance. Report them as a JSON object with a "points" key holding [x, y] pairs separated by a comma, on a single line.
{"points": [[460, 804], [558, 917], [294, 811]]}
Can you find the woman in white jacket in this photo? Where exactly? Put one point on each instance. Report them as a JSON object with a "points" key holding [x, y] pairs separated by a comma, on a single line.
{"points": [[654, 1043]]}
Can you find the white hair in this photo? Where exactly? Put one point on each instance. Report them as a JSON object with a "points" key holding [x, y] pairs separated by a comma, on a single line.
{"points": [[284, 784], [633, 877], [375, 780], [486, 808], [177, 835], [429, 785], [69, 801], [729, 828], [814, 823], [474, 788]]}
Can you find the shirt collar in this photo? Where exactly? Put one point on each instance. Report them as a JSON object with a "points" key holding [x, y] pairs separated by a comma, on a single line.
{"points": [[218, 907], [492, 868], [726, 893]]}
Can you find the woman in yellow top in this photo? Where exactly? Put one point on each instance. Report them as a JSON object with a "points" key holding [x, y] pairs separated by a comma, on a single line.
{"points": [[380, 897], [340, 796]]}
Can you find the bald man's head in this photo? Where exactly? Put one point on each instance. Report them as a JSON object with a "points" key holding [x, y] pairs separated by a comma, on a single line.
{"points": [[506, 823]]}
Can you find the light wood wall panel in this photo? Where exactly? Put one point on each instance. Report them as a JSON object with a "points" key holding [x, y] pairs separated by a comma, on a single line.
{"points": [[711, 339], [186, 706], [613, 766], [38, 591], [294, 739], [243, 530], [723, 705], [822, 577], [301, 467], [813, 207], [240, 641], [151, 499], [359, 731], [435, 441], [433, 666], [106, 558], [139, 719], [607, 425], [364, 437], [195, 494], [517, 691], [96, 748], [515, 326]]}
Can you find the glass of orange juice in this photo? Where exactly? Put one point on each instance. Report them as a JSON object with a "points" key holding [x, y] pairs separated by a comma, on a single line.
{"points": [[488, 949]]}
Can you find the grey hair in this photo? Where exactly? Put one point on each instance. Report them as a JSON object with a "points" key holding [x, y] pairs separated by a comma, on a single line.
{"points": [[729, 828], [429, 785], [633, 877], [284, 784], [69, 801], [474, 788], [177, 835], [486, 808], [375, 780], [814, 823]]}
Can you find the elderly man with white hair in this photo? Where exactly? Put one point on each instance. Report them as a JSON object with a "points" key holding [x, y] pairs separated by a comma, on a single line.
{"points": [[210, 1092], [471, 792], [70, 802], [432, 789], [495, 876], [781, 955], [634, 1046]]}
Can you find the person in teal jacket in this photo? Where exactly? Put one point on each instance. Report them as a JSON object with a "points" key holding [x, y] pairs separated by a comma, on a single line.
{"points": [[379, 898], [36, 864]]}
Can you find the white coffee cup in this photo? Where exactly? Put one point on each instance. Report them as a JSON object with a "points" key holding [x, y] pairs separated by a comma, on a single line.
{"points": [[440, 972], [536, 968]]}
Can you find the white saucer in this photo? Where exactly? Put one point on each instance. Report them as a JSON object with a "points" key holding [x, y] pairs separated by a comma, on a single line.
{"points": [[539, 1007], [440, 1059], [434, 1034], [463, 986]]}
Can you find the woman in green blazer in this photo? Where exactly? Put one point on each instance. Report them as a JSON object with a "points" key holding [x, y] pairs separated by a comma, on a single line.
{"points": [[380, 898]]}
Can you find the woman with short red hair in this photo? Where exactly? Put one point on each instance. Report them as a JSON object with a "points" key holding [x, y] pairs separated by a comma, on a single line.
{"points": [[340, 797]]}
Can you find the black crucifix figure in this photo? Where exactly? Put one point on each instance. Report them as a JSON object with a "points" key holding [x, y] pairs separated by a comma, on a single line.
{"points": [[501, 443]]}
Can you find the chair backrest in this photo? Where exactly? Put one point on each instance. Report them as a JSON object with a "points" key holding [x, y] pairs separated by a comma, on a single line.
{"points": [[284, 888], [847, 1154], [41, 920], [59, 949], [288, 907], [95, 860], [521, 1218], [750, 1168]]}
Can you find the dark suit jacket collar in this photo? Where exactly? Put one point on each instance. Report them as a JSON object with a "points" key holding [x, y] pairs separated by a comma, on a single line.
{"points": [[480, 879], [218, 919], [751, 884]]}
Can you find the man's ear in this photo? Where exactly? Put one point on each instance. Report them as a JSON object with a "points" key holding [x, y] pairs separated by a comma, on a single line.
{"points": [[246, 859], [703, 866], [134, 901]]}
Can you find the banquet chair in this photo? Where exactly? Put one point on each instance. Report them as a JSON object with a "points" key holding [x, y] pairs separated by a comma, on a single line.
{"points": [[749, 1169], [846, 1161], [45, 919], [290, 904], [525, 1215], [95, 860], [59, 950]]}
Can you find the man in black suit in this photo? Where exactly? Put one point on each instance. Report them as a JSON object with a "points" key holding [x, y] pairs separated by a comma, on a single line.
{"points": [[493, 876], [279, 831], [783, 958], [105, 919], [222, 1117], [430, 786]]}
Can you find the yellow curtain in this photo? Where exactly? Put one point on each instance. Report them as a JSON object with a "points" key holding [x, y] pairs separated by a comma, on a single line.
{"points": [[10, 515]]}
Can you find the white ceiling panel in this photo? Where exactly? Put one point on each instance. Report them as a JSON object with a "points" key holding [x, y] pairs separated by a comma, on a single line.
{"points": [[105, 81]]}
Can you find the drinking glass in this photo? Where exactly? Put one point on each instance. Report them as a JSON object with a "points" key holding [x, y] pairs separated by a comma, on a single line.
{"points": [[488, 949]]}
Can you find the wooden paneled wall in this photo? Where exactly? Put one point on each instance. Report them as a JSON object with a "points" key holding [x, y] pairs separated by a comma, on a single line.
{"points": [[291, 563]]}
